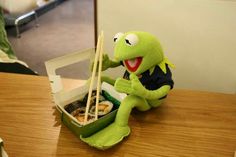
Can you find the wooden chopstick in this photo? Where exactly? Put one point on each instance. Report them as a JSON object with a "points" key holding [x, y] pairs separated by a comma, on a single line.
{"points": [[92, 79], [99, 76]]}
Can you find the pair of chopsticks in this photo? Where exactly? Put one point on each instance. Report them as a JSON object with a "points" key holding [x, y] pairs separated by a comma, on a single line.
{"points": [[98, 57]]}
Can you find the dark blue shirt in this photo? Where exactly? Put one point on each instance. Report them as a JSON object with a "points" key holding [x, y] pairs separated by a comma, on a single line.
{"points": [[156, 80]]}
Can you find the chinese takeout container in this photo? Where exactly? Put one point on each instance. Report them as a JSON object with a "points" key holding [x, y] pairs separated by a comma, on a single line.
{"points": [[62, 97]]}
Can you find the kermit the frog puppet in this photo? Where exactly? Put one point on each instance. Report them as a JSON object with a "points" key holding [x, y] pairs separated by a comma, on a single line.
{"points": [[146, 81]]}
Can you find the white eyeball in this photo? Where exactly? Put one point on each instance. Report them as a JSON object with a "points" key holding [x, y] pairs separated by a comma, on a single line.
{"points": [[118, 36], [131, 39]]}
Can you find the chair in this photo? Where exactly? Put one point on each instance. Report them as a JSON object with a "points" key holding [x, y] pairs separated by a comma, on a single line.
{"points": [[18, 20]]}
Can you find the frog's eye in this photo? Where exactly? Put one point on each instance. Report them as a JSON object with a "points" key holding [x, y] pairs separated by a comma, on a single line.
{"points": [[131, 39], [118, 36]]}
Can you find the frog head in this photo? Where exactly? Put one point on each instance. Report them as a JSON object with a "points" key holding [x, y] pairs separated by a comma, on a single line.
{"points": [[138, 51]]}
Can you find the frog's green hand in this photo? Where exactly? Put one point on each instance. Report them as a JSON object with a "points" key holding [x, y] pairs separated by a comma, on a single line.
{"points": [[123, 86], [135, 87], [106, 63], [139, 90]]}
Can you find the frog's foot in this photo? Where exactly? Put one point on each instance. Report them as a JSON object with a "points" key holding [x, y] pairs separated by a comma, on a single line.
{"points": [[107, 137]]}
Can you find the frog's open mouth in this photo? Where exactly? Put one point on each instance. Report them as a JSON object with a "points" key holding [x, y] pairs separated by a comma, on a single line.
{"points": [[133, 64]]}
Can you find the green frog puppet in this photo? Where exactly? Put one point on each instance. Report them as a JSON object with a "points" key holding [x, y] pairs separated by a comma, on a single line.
{"points": [[146, 81]]}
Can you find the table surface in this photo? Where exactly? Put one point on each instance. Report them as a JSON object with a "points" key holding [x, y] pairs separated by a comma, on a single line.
{"points": [[189, 123]]}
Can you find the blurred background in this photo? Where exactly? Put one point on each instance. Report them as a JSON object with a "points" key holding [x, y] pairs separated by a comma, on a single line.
{"points": [[64, 27], [198, 36]]}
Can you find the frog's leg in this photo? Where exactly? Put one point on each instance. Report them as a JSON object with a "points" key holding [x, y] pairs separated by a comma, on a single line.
{"points": [[115, 132], [155, 103], [126, 107]]}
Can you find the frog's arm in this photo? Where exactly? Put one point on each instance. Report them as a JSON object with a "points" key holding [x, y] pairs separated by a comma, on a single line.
{"points": [[134, 87], [108, 63], [108, 80]]}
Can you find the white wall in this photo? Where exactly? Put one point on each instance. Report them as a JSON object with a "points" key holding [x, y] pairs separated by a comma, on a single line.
{"points": [[198, 36]]}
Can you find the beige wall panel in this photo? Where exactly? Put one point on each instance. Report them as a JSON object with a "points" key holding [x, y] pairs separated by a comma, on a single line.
{"points": [[198, 36]]}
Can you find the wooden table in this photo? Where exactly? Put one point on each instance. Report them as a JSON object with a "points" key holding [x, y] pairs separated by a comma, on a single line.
{"points": [[189, 123]]}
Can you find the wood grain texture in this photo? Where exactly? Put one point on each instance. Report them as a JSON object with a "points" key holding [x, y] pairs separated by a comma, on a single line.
{"points": [[188, 124]]}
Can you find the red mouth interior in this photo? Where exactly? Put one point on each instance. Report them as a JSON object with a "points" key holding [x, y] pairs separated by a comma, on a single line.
{"points": [[133, 64]]}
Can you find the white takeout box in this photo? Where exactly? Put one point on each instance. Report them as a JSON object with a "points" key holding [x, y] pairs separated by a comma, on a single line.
{"points": [[62, 97]]}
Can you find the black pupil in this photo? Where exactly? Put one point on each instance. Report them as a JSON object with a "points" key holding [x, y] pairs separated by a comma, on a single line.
{"points": [[127, 41], [115, 39]]}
